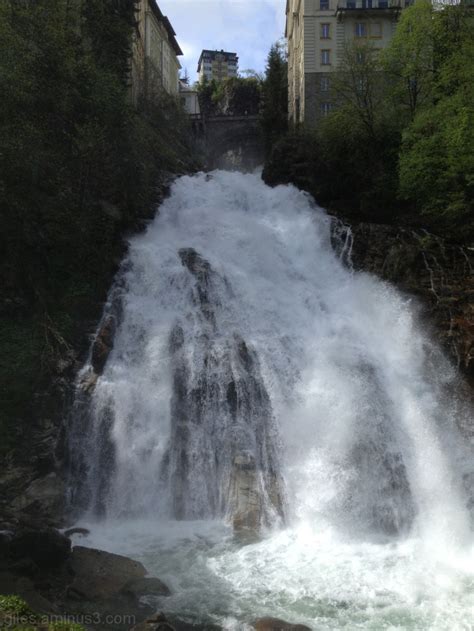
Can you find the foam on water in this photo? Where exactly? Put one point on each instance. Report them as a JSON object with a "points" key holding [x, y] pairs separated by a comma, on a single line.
{"points": [[307, 573], [361, 420]]}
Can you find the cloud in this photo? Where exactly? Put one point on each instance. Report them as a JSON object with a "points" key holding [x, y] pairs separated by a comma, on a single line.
{"points": [[246, 27]]}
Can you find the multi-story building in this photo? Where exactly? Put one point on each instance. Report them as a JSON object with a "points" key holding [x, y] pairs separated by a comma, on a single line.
{"points": [[218, 65], [318, 33], [155, 64]]}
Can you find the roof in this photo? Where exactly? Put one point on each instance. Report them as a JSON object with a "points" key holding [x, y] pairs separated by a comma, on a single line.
{"points": [[213, 53], [167, 24]]}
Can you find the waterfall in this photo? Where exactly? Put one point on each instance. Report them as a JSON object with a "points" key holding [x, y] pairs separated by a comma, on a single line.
{"points": [[244, 339]]}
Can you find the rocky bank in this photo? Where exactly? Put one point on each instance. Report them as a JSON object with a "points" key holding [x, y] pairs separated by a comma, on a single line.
{"points": [[438, 273]]}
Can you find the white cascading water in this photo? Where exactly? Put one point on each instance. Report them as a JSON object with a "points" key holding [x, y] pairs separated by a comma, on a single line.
{"points": [[241, 331]]}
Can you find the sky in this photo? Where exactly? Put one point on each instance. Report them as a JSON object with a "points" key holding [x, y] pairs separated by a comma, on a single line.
{"points": [[245, 27]]}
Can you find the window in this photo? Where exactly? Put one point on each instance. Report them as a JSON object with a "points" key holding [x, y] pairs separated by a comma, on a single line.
{"points": [[325, 57], [376, 29], [325, 31], [324, 84], [325, 108], [351, 4], [324, 5], [360, 29]]}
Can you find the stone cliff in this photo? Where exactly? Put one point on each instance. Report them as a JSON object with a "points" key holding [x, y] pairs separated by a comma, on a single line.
{"points": [[438, 273]]}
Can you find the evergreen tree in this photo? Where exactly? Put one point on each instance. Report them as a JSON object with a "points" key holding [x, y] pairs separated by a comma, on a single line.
{"points": [[274, 114]]}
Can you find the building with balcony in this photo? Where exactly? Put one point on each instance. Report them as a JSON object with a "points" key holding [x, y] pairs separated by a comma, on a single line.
{"points": [[155, 65], [218, 65], [318, 32]]}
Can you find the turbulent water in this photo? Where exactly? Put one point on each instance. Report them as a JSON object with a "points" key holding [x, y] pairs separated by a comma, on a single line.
{"points": [[242, 335]]}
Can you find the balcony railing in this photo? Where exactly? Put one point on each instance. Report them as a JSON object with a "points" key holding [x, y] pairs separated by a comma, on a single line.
{"points": [[348, 5]]}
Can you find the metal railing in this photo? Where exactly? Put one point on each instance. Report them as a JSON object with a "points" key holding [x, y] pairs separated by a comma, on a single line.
{"points": [[373, 4]]}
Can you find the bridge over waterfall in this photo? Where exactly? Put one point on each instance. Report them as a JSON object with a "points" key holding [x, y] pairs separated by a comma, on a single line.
{"points": [[229, 141]]}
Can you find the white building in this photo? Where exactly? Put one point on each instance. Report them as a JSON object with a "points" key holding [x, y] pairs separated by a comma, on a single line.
{"points": [[189, 99]]}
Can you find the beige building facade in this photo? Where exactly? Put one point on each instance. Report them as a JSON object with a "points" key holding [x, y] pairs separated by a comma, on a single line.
{"points": [[318, 32], [217, 65], [155, 65]]}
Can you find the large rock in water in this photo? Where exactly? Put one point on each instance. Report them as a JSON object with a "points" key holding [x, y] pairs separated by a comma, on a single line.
{"points": [[246, 497], [251, 503], [275, 624], [100, 575], [148, 586], [160, 622]]}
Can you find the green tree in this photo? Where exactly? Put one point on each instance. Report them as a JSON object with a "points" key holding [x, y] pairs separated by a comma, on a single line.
{"points": [[274, 112], [437, 156], [241, 96], [408, 60], [209, 96], [359, 87]]}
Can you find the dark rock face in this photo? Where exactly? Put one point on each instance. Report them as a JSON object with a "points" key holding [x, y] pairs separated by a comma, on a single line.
{"points": [[439, 273], [103, 344], [31, 484], [44, 494], [220, 411]]}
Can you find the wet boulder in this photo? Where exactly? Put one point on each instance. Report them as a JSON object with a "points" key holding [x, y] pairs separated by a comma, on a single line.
{"points": [[246, 497], [148, 586], [275, 624], [256, 498], [100, 575]]}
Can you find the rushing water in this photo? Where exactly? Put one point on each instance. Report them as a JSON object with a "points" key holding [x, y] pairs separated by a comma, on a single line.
{"points": [[241, 333]]}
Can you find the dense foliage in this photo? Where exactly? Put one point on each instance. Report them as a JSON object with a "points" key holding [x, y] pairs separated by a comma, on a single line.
{"points": [[400, 143], [16, 615], [78, 167], [234, 96]]}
